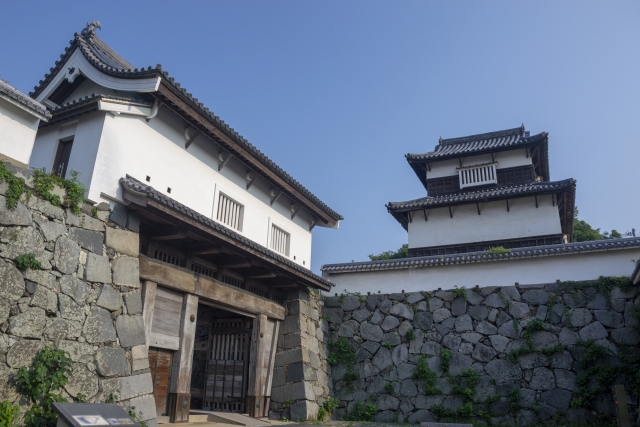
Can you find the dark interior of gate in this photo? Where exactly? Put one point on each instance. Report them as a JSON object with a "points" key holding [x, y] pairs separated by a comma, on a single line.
{"points": [[220, 372]]}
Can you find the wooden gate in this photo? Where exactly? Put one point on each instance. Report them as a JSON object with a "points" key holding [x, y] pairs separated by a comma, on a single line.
{"points": [[160, 366], [225, 388]]}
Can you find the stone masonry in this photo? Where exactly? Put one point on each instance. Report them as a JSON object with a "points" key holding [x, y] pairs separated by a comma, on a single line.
{"points": [[479, 329], [85, 299], [300, 380]]}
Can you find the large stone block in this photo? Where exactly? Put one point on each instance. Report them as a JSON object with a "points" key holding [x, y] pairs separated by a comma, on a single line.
{"points": [[371, 332], [23, 241], [45, 207], [66, 255], [99, 327], [287, 357], [535, 297], [402, 310], [348, 328], [12, 282], [128, 387], [126, 272], [22, 353], [28, 324], [50, 230], [334, 315], [19, 215], [303, 411], [133, 301], [503, 371], [109, 298], [58, 329], [296, 391], [112, 362], [83, 220], [130, 330], [144, 406], [44, 298], [98, 269], [69, 309], [123, 242], [75, 288], [594, 331], [78, 351], [89, 240], [41, 277], [350, 303], [542, 379]]}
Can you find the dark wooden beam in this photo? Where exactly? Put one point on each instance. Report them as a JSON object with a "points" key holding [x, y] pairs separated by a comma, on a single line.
{"points": [[478, 206], [536, 201], [216, 249], [167, 233], [193, 138], [425, 215], [314, 221], [223, 160], [508, 205], [269, 275], [294, 211], [410, 217], [450, 213], [240, 264], [275, 197], [250, 179]]}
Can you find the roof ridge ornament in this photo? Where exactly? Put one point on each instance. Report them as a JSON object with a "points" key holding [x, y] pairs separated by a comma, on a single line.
{"points": [[90, 29]]}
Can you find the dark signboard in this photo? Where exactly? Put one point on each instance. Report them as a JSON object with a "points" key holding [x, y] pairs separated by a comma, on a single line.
{"points": [[93, 414]]}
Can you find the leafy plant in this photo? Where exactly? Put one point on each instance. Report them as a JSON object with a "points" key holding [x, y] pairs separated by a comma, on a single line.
{"points": [[410, 334], [42, 384], [445, 359], [460, 292], [43, 183], [28, 261], [424, 373], [388, 387], [362, 412], [16, 186], [94, 211], [498, 250], [8, 413], [403, 252], [388, 345], [327, 408], [137, 416], [514, 397], [341, 352]]}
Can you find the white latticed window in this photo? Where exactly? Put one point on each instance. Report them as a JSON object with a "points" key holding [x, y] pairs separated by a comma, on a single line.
{"points": [[230, 212], [470, 176], [279, 240]]}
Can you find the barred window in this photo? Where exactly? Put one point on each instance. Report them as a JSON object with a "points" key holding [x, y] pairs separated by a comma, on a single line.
{"points": [[280, 240], [230, 212]]}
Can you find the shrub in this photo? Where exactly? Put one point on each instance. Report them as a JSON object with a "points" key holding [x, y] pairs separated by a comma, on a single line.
{"points": [[363, 412], [8, 413], [28, 261], [498, 250]]}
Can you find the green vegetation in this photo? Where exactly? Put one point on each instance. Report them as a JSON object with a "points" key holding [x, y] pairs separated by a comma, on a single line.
{"points": [[424, 373], [94, 211], [465, 386], [8, 414], [342, 353], [42, 384], [28, 261], [582, 231], [388, 345], [388, 387], [527, 336], [498, 250], [460, 292], [362, 412], [410, 334], [403, 252], [445, 360], [327, 408]]}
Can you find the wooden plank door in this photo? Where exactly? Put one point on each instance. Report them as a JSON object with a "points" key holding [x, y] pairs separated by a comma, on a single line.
{"points": [[160, 361], [227, 365]]}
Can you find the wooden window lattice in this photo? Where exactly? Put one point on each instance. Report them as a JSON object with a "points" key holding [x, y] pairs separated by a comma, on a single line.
{"points": [[169, 258], [279, 240], [229, 212]]}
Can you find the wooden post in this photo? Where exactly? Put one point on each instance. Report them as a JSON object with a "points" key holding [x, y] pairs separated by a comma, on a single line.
{"points": [[263, 349], [149, 301], [179, 397]]}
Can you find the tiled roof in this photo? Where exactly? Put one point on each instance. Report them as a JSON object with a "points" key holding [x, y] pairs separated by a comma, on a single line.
{"points": [[635, 276], [105, 59], [82, 103], [139, 187], [520, 253], [484, 143], [484, 195], [13, 93]]}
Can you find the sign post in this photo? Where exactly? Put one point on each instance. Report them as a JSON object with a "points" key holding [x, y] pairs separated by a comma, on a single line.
{"points": [[92, 414]]}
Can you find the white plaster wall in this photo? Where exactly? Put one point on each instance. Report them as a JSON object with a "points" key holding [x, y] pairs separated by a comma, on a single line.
{"points": [[581, 266], [505, 159], [86, 134], [17, 132], [493, 223], [130, 145]]}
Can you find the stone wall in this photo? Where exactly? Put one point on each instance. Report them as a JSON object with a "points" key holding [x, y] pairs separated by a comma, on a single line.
{"points": [[479, 329], [300, 380], [85, 299]]}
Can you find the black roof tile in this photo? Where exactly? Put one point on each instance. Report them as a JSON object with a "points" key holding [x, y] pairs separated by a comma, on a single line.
{"points": [[13, 93]]}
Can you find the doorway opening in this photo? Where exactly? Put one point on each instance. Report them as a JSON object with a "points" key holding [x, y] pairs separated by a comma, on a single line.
{"points": [[220, 372]]}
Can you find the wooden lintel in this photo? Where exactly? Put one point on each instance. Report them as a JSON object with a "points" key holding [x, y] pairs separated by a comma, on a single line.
{"points": [[193, 138], [275, 197], [269, 275], [285, 285], [295, 212], [167, 233], [223, 160], [508, 205], [425, 215], [208, 288], [208, 251], [478, 206], [536, 196], [450, 213], [242, 264]]}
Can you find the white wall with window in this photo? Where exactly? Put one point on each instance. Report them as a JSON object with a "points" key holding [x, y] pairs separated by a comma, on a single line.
{"points": [[503, 159]]}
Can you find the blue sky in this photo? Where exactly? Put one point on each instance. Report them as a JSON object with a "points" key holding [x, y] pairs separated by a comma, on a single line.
{"points": [[337, 92]]}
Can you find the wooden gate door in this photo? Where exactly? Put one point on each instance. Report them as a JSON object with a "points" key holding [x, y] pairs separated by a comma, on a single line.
{"points": [[160, 361], [227, 365]]}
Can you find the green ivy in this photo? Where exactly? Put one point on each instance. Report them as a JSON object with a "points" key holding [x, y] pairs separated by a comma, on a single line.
{"points": [[327, 408], [603, 285], [424, 373], [8, 413], [43, 183], [16, 186], [527, 335], [388, 387], [342, 353], [460, 292], [445, 360], [588, 389], [410, 334], [498, 250], [362, 412]]}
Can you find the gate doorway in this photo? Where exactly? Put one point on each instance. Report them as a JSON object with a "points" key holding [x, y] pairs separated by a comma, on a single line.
{"points": [[160, 362], [221, 361]]}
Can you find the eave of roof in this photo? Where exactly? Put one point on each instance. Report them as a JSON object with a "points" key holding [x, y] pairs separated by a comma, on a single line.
{"points": [[482, 144], [399, 209], [478, 257], [24, 101], [150, 193], [103, 58], [84, 105]]}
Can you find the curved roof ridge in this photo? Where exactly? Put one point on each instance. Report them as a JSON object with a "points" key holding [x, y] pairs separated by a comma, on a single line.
{"points": [[484, 136], [23, 99]]}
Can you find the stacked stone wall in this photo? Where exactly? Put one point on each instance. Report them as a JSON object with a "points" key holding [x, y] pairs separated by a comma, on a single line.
{"points": [[480, 328], [300, 382], [85, 299]]}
